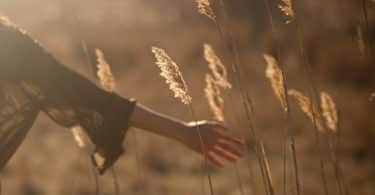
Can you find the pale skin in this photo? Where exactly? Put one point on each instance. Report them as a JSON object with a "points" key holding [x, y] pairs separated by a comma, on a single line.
{"points": [[218, 147]]}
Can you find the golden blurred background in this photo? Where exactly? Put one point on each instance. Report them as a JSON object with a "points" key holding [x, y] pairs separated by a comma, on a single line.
{"points": [[50, 162]]}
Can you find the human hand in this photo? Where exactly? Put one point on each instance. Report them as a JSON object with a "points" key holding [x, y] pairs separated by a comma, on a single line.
{"points": [[217, 145]]}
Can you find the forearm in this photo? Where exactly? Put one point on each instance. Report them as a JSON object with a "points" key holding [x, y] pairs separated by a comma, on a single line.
{"points": [[149, 120]]}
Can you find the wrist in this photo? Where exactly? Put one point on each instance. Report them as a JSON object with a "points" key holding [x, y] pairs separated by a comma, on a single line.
{"points": [[183, 132]]}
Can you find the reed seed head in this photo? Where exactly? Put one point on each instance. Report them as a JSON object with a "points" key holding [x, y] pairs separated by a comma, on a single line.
{"points": [[107, 80], [204, 8], [287, 8], [6, 21], [213, 95], [217, 67], [172, 75], [329, 111], [79, 136], [307, 108], [275, 75]]}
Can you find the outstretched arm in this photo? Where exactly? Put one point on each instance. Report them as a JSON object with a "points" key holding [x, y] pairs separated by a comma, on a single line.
{"points": [[217, 144]]}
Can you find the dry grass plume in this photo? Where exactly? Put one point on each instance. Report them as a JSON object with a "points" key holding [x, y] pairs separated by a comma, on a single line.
{"points": [[329, 111], [287, 8], [275, 75], [79, 135], [204, 8], [213, 95], [104, 73], [307, 108], [172, 75], [217, 67]]}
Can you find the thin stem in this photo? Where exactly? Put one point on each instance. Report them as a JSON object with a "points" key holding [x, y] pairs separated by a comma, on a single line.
{"points": [[251, 174], [249, 110], [335, 166], [296, 173], [288, 112], [285, 153], [267, 168], [96, 180], [321, 162], [115, 181], [232, 48], [203, 148], [92, 72], [85, 51], [94, 174], [340, 180], [89, 64]]}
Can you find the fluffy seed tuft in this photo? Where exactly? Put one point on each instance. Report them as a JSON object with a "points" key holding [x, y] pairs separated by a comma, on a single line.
{"points": [[171, 72], [329, 111], [307, 108], [217, 67], [275, 75], [6, 21], [79, 136], [107, 80], [213, 95], [287, 8], [204, 8]]}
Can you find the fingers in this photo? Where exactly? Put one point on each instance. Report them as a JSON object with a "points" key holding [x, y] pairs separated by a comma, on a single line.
{"points": [[218, 153], [213, 159], [226, 154], [229, 148], [232, 142]]}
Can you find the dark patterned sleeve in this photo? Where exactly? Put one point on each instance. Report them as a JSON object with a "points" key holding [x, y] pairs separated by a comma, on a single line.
{"points": [[65, 96], [17, 115]]}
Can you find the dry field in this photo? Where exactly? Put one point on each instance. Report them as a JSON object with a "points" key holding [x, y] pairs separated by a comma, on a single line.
{"points": [[333, 38]]}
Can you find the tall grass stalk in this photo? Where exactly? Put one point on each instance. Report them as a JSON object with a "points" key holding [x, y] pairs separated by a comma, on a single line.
{"points": [[248, 165], [332, 121], [312, 93], [311, 112], [93, 75], [249, 111], [267, 168], [91, 67], [203, 148], [287, 117], [107, 82], [92, 71], [337, 172], [214, 84], [232, 48], [245, 95], [174, 79]]}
